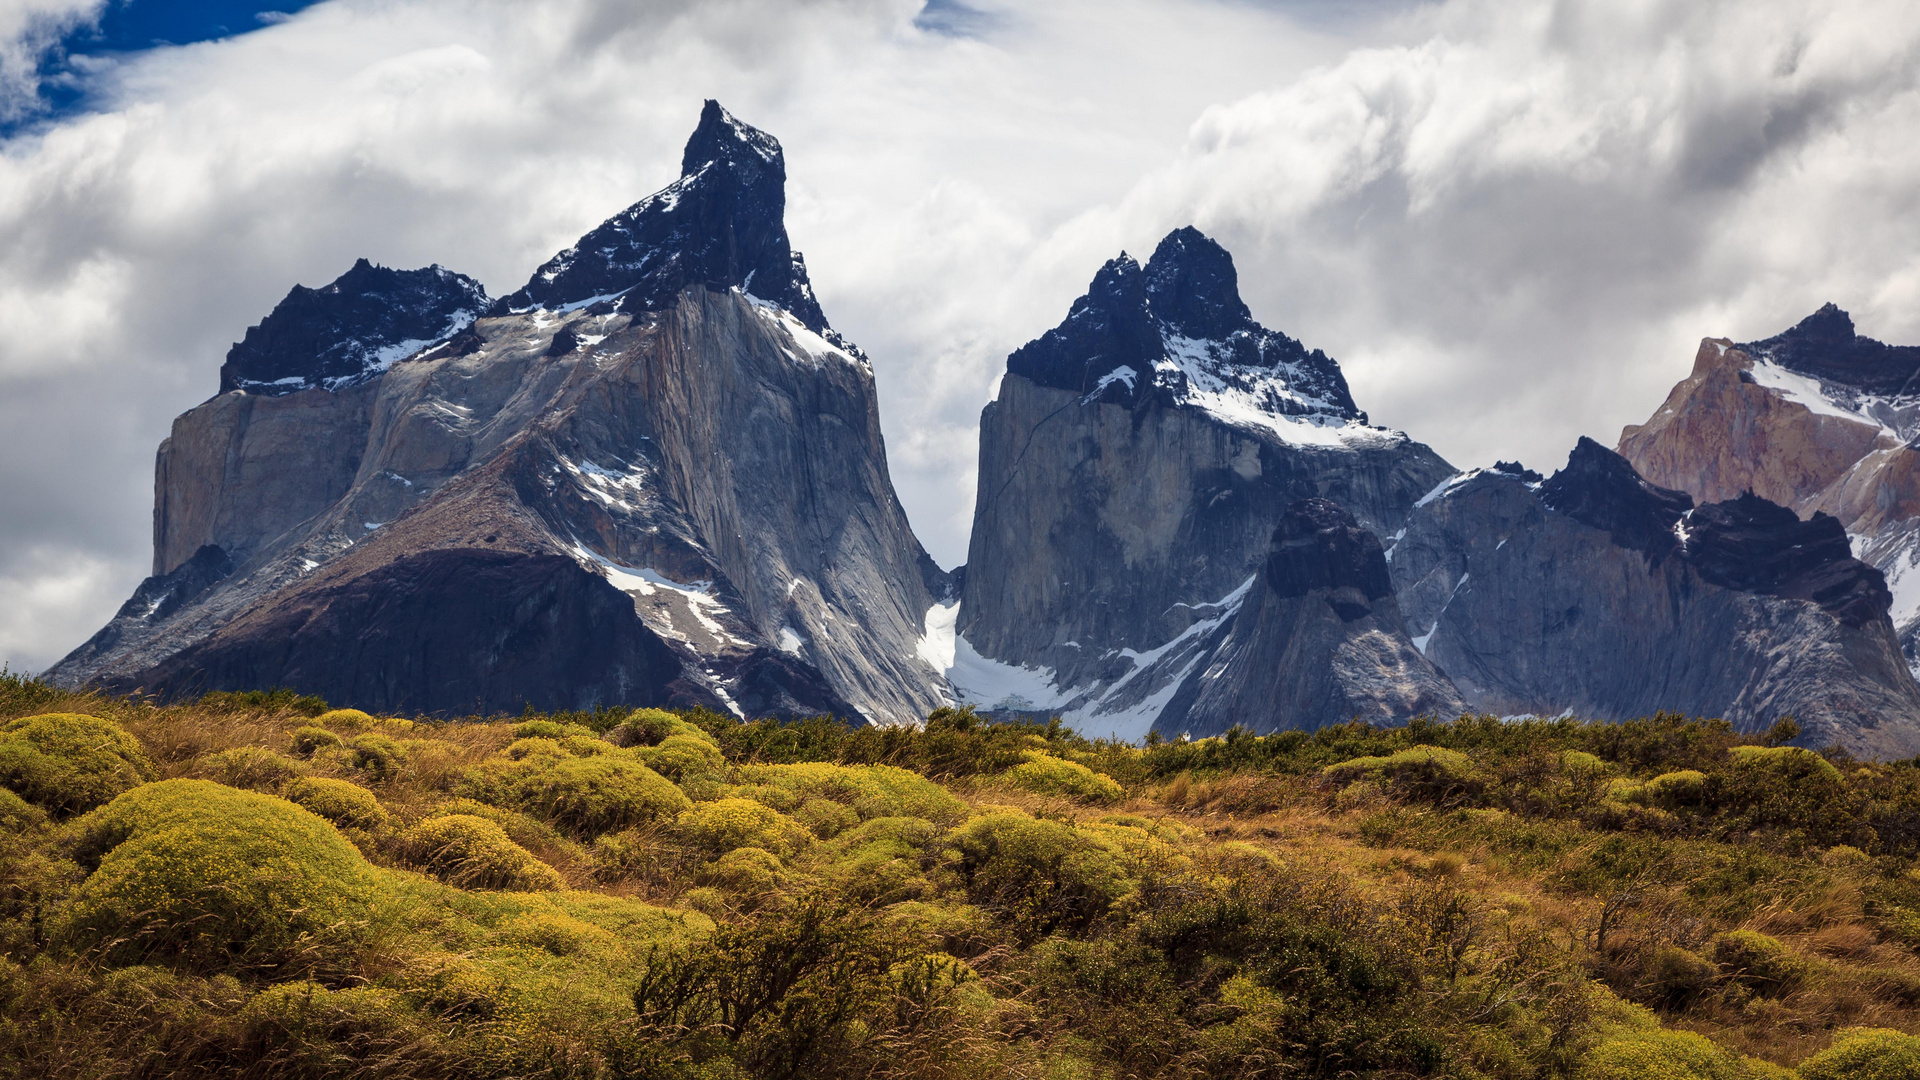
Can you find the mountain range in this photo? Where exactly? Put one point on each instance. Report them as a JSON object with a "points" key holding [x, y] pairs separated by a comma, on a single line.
{"points": [[654, 475]]}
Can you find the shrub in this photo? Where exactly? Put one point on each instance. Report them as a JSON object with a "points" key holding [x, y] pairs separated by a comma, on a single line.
{"points": [[377, 755], [1756, 960], [1042, 875], [1677, 788], [342, 802], [1581, 761], [552, 932], [1451, 764], [345, 720], [252, 767], [304, 1031], [725, 824], [1660, 1055], [872, 791], [681, 755], [650, 727], [1049, 775], [213, 875], [548, 729], [1866, 1054], [69, 762], [474, 853], [308, 739], [590, 796], [1789, 760], [17, 815], [748, 875]]}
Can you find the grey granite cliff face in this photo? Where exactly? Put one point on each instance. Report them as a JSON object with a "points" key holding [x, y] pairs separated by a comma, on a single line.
{"points": [[1133, 469], [663, 496], [1319, 640], [1600, 594]]}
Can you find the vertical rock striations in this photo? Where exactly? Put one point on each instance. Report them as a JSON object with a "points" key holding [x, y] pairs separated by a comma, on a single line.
{"points": [[1133, 468], [654, 474]]}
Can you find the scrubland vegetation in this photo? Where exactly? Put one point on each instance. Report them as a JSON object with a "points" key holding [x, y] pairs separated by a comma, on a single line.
{"points": [[254, 885]]}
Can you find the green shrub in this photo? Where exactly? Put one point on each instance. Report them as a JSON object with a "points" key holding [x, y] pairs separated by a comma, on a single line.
{"points": [[548, 729], [681, 755], [308, 739], [1866, 1054], [882, 861], [17, 815], [872, 791], [69, 762], [1049, 775], [1451, 764], [1660, 1055], [1756, 960], [305, 1031], [748, 875], [345, 720], [377, 755], [252, 767], [1790, 760], [213, 875], [1581, 761], [555, 933], [342, 802], [826, 818], [590, 796], [474, 853], [650, 727], [725, 824], [1042, 875], [1678, 788]]}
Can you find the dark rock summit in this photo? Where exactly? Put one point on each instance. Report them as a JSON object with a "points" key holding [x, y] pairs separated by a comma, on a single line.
{"points": [[721, 225], [1825, 346], [1600, 489], [351, 329]]}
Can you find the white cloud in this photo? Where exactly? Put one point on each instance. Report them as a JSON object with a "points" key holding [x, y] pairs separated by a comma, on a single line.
{"points": [[28, 28], [1508, 220]]}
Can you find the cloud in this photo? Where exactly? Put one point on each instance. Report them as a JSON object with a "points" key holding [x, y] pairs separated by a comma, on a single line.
{"points": [[1509, 220], [28, 29]]}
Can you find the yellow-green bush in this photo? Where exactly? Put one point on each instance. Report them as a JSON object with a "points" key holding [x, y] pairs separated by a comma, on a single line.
{"points": [[1044, 874], [681, 755], [213, 875], [306, 740], [300, 1030], [1049, 775], [748, 875], [342, 802], [1451, 764], [650, 727], [69, 762], [252, 767], [553, 932], [474, 853], [1677, 788], [590, 796], [826, 818], [344, 720], [881, 861], [1581, 761], [1756, 960], [1660, 1055], [17, 815], [725, 824], [1790, 760], [872, 791], [379, 756], [548, 729], [536, 746], [1866, 1054]]}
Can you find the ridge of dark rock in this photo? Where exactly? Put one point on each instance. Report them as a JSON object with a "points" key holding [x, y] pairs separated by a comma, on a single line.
{"points": [[1119, 339], [349, 329], [722, 224], [1756, 545], [1320, 545], [1599, 488], [1825, 346]]}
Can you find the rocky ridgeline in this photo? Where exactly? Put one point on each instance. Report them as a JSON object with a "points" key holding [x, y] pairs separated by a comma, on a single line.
{"points": [[654, 475]]}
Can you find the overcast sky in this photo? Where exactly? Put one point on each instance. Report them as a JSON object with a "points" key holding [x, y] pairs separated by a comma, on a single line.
{"points": [[1510, 220]]}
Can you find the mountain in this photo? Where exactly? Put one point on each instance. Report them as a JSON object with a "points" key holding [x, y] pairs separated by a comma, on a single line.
{"points": [[1599, 593], [652, 475], [1134, 467], [1818, 419]]}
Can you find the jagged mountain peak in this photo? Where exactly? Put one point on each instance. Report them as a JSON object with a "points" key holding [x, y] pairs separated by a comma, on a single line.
{"points": [[1599, 488], [1826, 346], [351, 328], [1177, 332], [1192, 287], [721, 225]]}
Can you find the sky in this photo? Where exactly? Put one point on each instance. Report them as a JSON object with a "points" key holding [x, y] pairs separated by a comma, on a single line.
{"points": [[1511, 221]]}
